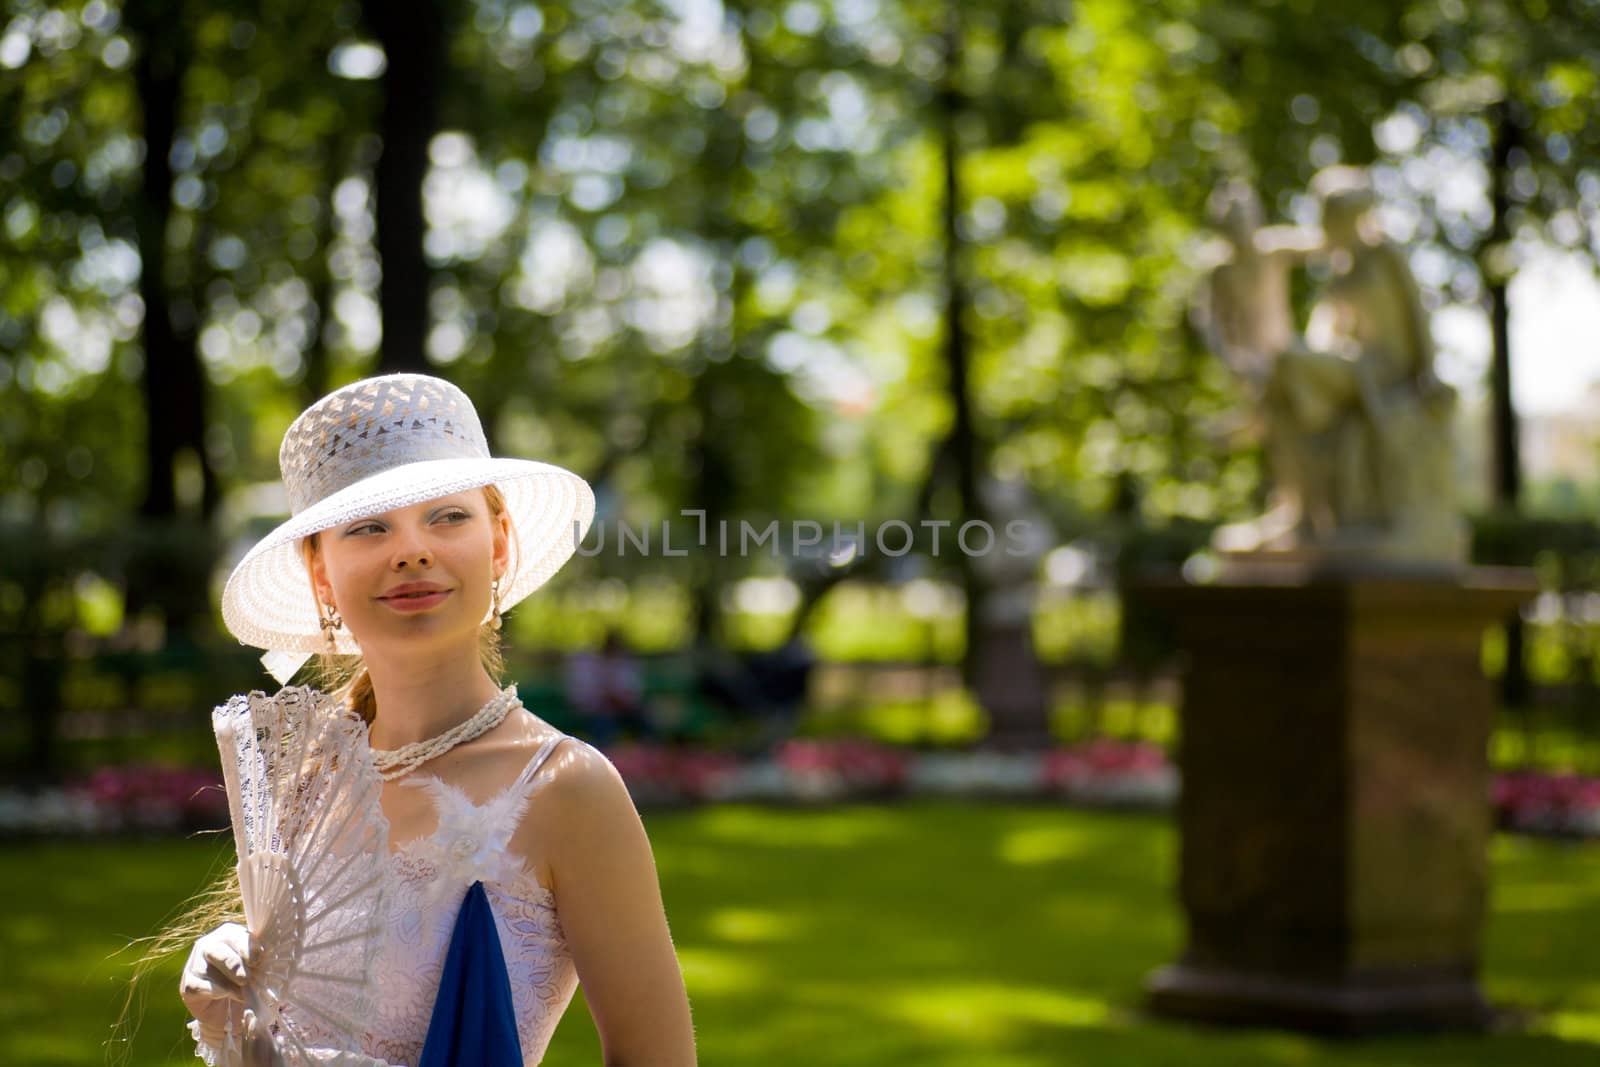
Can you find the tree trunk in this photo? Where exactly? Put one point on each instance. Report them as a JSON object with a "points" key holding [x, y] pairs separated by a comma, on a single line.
{"points": [[170, 558], [174, 378], [1493, 264], [1508, 138], [999, 665], [958, 450], [414, 42], [43, 672], [713, 477]]}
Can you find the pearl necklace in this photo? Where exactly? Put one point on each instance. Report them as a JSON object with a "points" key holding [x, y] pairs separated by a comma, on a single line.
{"points": [[392, 763]]}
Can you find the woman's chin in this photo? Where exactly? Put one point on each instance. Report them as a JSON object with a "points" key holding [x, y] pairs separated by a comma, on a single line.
{"points": [[416, 633]]}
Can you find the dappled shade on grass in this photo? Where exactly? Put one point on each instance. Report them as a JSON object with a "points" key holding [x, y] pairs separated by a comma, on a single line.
{"points": [[926, 933]]}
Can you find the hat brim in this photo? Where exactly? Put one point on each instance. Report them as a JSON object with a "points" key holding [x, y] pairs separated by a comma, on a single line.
{"points": [[268, 603]]}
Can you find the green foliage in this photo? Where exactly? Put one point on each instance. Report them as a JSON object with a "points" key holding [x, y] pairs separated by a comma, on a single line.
{"points": [[696, 253]]}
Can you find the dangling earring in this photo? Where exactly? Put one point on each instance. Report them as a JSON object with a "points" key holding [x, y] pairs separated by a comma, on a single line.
{"points": [[330, 622], [495, 592]]}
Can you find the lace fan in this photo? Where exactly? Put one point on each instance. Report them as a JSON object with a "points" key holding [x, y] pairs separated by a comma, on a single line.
{"points": [[313, 845]]}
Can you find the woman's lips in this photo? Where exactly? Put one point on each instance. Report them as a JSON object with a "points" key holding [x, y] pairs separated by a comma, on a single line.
{"points": [[420, 600]]}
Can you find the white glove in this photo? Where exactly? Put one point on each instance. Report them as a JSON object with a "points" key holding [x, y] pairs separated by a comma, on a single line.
{"points": [[213, 987]]}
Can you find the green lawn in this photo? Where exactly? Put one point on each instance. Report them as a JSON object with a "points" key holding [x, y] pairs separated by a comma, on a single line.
{"points": [[926, 934]]}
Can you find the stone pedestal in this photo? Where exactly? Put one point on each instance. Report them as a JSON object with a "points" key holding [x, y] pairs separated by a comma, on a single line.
{"points": [[1335, 812]]}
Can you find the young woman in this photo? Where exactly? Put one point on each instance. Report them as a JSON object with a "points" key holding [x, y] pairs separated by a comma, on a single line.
{"points": [[405, 545]]}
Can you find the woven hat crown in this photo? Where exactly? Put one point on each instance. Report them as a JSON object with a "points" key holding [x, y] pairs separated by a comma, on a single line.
{"points": [[371, 426]]}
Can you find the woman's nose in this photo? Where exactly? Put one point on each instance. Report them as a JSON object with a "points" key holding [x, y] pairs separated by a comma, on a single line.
{"points": [[411, 553]]}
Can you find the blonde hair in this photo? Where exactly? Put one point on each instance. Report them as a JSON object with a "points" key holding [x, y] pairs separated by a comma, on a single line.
{"points": [[343, 676]]}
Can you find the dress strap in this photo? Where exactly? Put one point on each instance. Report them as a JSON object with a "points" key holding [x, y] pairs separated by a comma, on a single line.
{"points": [[544, 753]]}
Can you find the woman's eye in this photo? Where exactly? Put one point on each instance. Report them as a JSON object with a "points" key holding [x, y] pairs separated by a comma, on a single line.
{"points": [[364, 528], [452, 516]]}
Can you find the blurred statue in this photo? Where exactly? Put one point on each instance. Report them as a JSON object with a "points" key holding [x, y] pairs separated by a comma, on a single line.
{"points": [[1245, 317], [1358, 428]]}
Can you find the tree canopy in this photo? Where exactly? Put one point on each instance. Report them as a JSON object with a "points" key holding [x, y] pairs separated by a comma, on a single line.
{"points": [[698, 250]]}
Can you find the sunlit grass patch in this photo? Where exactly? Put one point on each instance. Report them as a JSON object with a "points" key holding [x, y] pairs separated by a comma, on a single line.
{"points": [[917, 933]]}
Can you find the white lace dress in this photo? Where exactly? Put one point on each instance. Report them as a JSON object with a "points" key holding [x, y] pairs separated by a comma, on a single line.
{"points": [[429, 879]]}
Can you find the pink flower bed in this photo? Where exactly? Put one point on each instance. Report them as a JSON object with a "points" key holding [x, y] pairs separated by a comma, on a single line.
{"points": [[1547, 803], [1104, 771], [815, 769], [1064, 768], [663, 775], [844, 765], [154, 798]]}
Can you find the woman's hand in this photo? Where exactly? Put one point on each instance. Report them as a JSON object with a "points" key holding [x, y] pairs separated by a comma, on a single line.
{"points": [[213, 988], [216, 974]]}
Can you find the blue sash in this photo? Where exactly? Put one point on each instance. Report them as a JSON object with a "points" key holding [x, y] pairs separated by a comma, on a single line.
{"points": [[474, 1022]]}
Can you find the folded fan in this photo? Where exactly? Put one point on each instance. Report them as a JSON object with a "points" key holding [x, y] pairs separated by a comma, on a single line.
{"points": [[313, 849]]}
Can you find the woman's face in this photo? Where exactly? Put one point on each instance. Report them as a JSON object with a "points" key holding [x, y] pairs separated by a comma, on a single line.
{"points": [[416, 574]]}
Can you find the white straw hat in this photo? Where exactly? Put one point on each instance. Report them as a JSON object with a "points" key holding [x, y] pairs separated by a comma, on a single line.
{"points": [[376, 445]]}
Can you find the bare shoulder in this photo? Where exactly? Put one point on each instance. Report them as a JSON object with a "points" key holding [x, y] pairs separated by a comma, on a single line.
{"points": [[585, 791], [581, 809]]}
